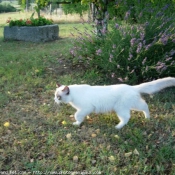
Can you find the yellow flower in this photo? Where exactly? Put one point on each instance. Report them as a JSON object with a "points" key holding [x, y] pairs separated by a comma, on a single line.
{"points": [[111, 158], [36, 71], [116, 136], [6, 124], [93, 135], [64, 122]]}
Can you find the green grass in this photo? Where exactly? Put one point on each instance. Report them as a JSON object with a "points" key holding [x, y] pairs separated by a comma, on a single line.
{"points": [[38, 139]]}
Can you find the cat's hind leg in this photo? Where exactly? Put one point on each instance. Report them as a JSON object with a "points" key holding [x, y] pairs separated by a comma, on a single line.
{"points": [[124, 117], [79, 116], [142, 106]]}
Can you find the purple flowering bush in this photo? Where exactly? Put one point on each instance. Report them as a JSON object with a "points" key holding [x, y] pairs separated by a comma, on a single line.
{"points": [[137, 11], [131, 53]]}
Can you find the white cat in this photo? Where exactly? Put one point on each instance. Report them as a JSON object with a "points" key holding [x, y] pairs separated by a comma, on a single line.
{"points": [[100, 99]]}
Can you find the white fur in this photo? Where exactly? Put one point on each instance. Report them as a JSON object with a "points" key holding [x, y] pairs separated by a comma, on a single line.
{"points": [[101, 99]]}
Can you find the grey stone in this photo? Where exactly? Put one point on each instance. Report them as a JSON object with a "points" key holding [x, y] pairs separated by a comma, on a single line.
{"points": [[32, 33]]}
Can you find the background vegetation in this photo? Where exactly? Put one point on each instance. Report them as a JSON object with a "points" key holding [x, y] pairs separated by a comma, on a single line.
{"points": [[136, 49], [40, 136], [6, 8]]}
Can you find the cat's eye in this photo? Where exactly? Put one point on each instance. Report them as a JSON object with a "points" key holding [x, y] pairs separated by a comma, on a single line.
{"points": [[59, 97]]}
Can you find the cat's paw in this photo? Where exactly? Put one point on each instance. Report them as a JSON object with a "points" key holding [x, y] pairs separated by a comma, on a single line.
{"points": [[117, 127], [147, 117], [77, 123]]}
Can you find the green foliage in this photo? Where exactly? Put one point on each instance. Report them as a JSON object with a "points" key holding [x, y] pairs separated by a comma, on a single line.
{"points": [[30, 22], [139, 8], [25, 3], [75, 8], [7, 8], [40, 4], [129, 52]]}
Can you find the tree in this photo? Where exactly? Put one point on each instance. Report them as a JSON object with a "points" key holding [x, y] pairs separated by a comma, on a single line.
{"points": [[101, 17], [98, 8], [41, 4], [24, 4], [99, 14]]}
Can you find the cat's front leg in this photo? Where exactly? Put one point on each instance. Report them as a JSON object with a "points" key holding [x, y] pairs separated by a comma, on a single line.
{"points": [[79, 117]]}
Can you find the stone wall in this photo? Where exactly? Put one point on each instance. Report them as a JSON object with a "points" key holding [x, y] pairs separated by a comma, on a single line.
{"points": [[33, 33]]}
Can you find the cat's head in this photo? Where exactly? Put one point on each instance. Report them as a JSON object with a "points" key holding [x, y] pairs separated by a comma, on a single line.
{"points": [[62, 94]]}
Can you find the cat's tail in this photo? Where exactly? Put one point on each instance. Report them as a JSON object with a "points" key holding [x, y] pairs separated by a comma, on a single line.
{"points": [[155, 86]]}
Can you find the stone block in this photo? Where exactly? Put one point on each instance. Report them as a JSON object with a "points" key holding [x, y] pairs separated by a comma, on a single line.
{"points": [[32, 33]]}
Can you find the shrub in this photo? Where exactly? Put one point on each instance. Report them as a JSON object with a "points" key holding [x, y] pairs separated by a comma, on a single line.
{"points": [[139, 8], [131, 53], [6, 8], [30, 22]]}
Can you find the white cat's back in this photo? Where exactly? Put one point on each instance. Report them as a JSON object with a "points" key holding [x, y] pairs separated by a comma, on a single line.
{"points": [[100, 98], [92, 92]]}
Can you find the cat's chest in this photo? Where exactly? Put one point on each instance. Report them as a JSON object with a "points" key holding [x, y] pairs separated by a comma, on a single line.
{"points": [[76, 106]]}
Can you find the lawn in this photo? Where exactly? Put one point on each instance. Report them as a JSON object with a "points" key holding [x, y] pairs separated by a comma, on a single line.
{"points": [[41, 137]]}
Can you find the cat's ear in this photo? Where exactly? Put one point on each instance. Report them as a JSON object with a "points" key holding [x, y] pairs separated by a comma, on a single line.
{"points": [[58, 85], [66, 90]]}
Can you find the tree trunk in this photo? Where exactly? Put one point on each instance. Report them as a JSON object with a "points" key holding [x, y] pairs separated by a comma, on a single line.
{"points": [[27, 5], [50, 9], [101, 18], [38, 12], [91, 13]]}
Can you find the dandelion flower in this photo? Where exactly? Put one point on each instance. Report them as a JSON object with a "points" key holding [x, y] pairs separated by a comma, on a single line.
{"points": [[93, 135], [111, 158], [64, 122], [116, 136], [6, 124]]}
